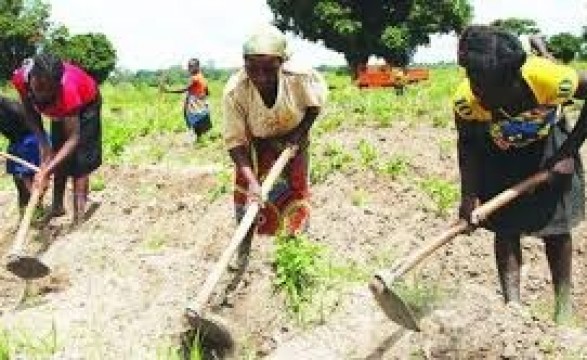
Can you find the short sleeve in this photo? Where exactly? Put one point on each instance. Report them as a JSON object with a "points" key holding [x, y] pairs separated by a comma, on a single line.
{"points": [[466, 106], [18, 81], [552, 83], [71, 102], [314, 88], [235, 125]]}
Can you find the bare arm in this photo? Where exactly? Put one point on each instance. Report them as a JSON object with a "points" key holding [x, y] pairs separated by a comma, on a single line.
{"points": [[72, 133], [538, 44], [174, 91], [305, 125], [468, 157], [33, 121], [242, 160], [581, 92]]}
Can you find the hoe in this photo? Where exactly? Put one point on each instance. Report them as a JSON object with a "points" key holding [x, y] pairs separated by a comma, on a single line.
{"points": [[210, 326], [390, 301], [22, 265]]}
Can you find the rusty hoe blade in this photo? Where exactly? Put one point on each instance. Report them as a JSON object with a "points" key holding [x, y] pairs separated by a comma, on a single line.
{"points": [[26, 267], [212, 329]]}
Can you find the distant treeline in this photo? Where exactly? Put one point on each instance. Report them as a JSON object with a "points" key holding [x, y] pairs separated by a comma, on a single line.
{"points": [[177, 75]]}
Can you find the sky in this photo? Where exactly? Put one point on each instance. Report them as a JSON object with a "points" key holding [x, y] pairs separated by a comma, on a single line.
{"points": [[159, 34]]}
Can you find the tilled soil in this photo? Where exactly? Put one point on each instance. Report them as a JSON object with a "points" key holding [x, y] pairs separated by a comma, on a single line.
{"points": [[121, 281]]}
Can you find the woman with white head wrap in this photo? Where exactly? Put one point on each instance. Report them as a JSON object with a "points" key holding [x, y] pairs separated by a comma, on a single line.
{"points": [[267, 106]]}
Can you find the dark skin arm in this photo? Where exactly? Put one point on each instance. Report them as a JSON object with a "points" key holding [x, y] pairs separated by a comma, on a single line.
{"points": [[241, 157], [174, 91], [469, 165], [33, 121], [539, 46], [180, 91], [72, 133], [297, 134]]}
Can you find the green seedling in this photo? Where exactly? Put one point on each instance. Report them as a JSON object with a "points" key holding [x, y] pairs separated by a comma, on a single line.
{"points": [[297, 269], [443, 193]]}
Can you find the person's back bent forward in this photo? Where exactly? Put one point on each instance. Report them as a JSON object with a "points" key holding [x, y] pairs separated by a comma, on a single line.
{"points": [[23, 144]]}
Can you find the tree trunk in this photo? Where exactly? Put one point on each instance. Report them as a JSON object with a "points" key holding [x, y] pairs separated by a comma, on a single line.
{"points": [[354, 61]]}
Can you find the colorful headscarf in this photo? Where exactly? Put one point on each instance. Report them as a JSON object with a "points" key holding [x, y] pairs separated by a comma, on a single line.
{"points": [[266, 40]]}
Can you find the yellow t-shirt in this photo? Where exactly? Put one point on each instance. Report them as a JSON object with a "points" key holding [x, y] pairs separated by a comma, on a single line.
{"points": [[552, 85], [245, 113]]}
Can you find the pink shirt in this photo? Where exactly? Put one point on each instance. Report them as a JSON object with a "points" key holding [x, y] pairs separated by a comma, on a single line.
{"points": [[77, 90]]}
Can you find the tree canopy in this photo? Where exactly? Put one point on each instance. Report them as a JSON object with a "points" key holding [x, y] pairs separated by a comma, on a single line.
{"points": [[92, 51], [25, 29], [23, 24], [565, 46], [517, 26], [385, 28]]}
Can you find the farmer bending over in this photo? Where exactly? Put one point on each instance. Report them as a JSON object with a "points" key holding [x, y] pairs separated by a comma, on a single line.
{"points": [[269, 105], [22, 143], [71, 98], [507, 113]]}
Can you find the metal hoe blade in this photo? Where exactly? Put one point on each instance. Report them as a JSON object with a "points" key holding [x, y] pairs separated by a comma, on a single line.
{"points": [[212, 329], [27, 267], [394, 307]]}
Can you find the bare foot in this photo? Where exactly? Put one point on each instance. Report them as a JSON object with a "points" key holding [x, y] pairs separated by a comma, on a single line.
{"points": [[563, 312], [91, 208]]}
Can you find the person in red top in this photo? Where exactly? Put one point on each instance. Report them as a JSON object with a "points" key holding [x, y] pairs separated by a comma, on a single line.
{"points": [[71, 98], [196, 109]]}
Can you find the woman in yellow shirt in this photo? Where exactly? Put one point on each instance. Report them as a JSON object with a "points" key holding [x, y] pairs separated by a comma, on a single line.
{"points": [[507, 114], [269, 104]]}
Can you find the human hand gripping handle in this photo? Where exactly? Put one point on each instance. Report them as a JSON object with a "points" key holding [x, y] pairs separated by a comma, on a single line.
{"points": [[254, 193], [561, 171], [257, 193], [468, 204], [41, 179], [482, 212], [246, 222]]}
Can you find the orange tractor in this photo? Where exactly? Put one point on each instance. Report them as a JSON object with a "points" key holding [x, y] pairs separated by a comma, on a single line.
{"points": [[387, 76]]}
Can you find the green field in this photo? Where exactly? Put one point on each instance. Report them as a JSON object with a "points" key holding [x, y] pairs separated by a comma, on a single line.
{"points": [[385, 179]]}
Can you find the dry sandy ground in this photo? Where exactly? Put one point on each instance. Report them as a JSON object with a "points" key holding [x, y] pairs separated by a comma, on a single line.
{"points": [[120, 282]]}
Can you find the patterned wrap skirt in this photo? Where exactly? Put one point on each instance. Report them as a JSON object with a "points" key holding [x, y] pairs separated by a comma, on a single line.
{"points": [[287, 207]]}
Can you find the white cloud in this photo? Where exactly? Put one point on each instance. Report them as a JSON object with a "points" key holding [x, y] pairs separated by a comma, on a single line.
{"points": [[149, 34]]}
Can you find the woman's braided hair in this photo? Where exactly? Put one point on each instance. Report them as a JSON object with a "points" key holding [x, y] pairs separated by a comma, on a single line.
{"points": [[47, 65]]}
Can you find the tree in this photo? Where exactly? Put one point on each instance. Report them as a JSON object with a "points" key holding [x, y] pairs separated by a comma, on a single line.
{"points": [[517, 26], [92, 51], [386, 28], [564, 46], [583, 51], [23, 24]]}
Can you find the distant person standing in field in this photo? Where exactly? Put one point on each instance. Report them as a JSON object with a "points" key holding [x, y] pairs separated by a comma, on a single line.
{"points": [[23, 144], [507, 114], [400, 79], [196, 109], [268, 105], [71, 98]]}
